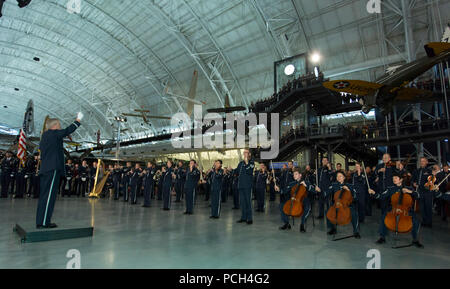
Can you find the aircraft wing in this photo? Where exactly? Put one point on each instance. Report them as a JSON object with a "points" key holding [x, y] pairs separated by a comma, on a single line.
{"points": [[412, 95], [226, 109], [436, 48], [356, 87]]}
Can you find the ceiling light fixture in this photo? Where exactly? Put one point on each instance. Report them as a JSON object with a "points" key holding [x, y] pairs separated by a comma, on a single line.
{"points": [[289, 69], [315, 57]]}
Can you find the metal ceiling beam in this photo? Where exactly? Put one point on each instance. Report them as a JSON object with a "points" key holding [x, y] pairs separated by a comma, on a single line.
{"points": [[301, 24], [160, 62], [185, 43], [262, 17], [46, 97], [221, 53], [19, 73], [357, 67], [81, 32], [37, 26]]}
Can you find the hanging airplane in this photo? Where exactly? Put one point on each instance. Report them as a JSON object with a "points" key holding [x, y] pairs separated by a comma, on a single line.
{"points": [[143, 114], [392, 87], [190, 99], [228, 108]]}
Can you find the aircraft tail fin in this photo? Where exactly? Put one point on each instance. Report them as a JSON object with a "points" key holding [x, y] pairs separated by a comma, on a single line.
{"points": [[356, 87], [435, 48]]}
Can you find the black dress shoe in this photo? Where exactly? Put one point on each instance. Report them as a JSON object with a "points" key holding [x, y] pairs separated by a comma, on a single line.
{"points": [[332, 232], [286, 226], [241, 221], [302, 229], [418, 244], [185, 213], [381, 241], [249, 222], [144, 206], [166, 209], [49, 226], [357, 236], [320, 217], [211, 217], [235, 208]]}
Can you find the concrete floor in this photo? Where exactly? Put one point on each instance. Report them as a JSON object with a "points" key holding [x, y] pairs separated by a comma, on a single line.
{"points": [[128, 236]]}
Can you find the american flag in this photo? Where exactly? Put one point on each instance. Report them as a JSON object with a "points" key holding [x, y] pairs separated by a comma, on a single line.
{"points": [[22, 150]]}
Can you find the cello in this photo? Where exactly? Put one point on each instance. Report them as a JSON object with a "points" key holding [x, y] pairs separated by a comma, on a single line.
{"points": [[398, 220], [294, 206], [339, 213]]}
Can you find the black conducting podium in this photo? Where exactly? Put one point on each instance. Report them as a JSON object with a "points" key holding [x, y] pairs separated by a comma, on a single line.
{"points": [[28, 232]]}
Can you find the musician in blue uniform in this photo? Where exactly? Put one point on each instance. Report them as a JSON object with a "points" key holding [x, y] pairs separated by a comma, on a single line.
{"points": [[20, 182], [180, 176], [106, 191], [66, 180], [419, 179], [14, 174], [383, 172], [30, 170], [398, 186], [261, 187], [160, 182], [190, 186], [126, 174], [52, 167], [234, 189], [245, 181], [299, 180], [149, 184], [325, 177], [135, 183], [76, 179], [359, 183], [226, 185], [216, 189], [7, 166], [116, 175], [83, 173], [341, 185], [167, 177], [287, 177]]}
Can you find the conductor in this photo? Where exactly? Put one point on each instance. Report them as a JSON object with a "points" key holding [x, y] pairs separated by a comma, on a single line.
{"points": [[52, 168]]}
